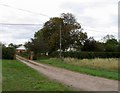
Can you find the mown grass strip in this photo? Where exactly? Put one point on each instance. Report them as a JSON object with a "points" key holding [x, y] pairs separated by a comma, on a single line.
{"points": [[19, 77], [91, 71]]}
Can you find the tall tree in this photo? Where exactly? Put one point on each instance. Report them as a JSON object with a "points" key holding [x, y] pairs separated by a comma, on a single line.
{"points": [[48, 38], [51, 33], [71, 33]]}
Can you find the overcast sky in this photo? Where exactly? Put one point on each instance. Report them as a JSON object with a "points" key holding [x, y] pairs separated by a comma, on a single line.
{"points": [[97, 17]]}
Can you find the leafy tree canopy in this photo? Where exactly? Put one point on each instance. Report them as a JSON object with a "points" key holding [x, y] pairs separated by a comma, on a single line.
{"points": [[71, 33]]}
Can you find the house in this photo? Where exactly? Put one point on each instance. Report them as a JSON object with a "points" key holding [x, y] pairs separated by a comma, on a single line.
{"points": [[21, 49]]}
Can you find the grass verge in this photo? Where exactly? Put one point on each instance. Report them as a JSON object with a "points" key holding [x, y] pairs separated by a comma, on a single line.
{"points": [[95, 71], [0, 75], [19, 77]]}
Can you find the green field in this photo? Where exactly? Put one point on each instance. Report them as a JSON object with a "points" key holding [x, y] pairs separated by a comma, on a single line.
{"points": [[107, 68], [19, 77]]}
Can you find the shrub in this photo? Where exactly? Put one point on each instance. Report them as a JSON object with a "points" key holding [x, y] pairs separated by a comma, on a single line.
{"points": [[8, 53]]}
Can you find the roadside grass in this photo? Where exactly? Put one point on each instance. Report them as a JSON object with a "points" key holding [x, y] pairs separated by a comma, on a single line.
{"points": [[0, 75], [110, 64], [107, 68], [19, 77]]}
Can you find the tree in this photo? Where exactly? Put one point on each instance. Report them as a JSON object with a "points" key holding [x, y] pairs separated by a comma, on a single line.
{"points": [[14, 45], [51, 33], [111, 45], [69, 19], [92, 45], [2, 45], [8, 52], [107, 37], [71, 33], [119, 46], [112, 42], [47, 39], [37, 45]]}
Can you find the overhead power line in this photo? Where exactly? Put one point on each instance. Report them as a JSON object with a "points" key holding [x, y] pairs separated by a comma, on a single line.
{"points": [[25, 10], [97, 31], [18, 24], [41, 14]]}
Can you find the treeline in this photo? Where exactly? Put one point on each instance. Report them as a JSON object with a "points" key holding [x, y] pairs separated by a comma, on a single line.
{"points": [[67, 33]]}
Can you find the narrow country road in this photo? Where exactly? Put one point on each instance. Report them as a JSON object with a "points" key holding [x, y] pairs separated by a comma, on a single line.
{"points": [[76, 80]]}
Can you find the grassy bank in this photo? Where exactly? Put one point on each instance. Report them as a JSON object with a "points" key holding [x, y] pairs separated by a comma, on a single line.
{"points": [[107, 68], [19, 77]]}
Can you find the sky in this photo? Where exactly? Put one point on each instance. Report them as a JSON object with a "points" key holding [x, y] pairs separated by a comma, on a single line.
{"points": [[97, 17]]}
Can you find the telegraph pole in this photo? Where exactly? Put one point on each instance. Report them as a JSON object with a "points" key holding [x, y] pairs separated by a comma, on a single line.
{"points": [[60, 40]]}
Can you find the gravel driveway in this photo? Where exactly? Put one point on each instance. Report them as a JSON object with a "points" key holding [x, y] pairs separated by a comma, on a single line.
{"points": [[77, 81]]}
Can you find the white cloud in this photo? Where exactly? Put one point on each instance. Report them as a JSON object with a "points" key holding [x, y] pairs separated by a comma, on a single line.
{"points": [[17, 34], [93, 15], [99, 15]]}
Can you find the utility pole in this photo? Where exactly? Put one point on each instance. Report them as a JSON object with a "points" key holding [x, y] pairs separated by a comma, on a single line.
{"points": [[60, 40]]}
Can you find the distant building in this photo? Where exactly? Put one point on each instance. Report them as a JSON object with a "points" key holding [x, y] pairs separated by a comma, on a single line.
{"points": [[21, 49]]}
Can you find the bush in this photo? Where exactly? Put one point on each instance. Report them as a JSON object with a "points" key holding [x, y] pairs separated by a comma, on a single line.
{"points": [[8, 53], [87, 55]]}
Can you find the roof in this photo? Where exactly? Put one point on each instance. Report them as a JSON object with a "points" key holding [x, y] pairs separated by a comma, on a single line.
{"points": [[21, 48]]}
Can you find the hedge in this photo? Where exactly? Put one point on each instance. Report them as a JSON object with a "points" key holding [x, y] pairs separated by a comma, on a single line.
{"points": [[8, 53], [88, 55]]}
